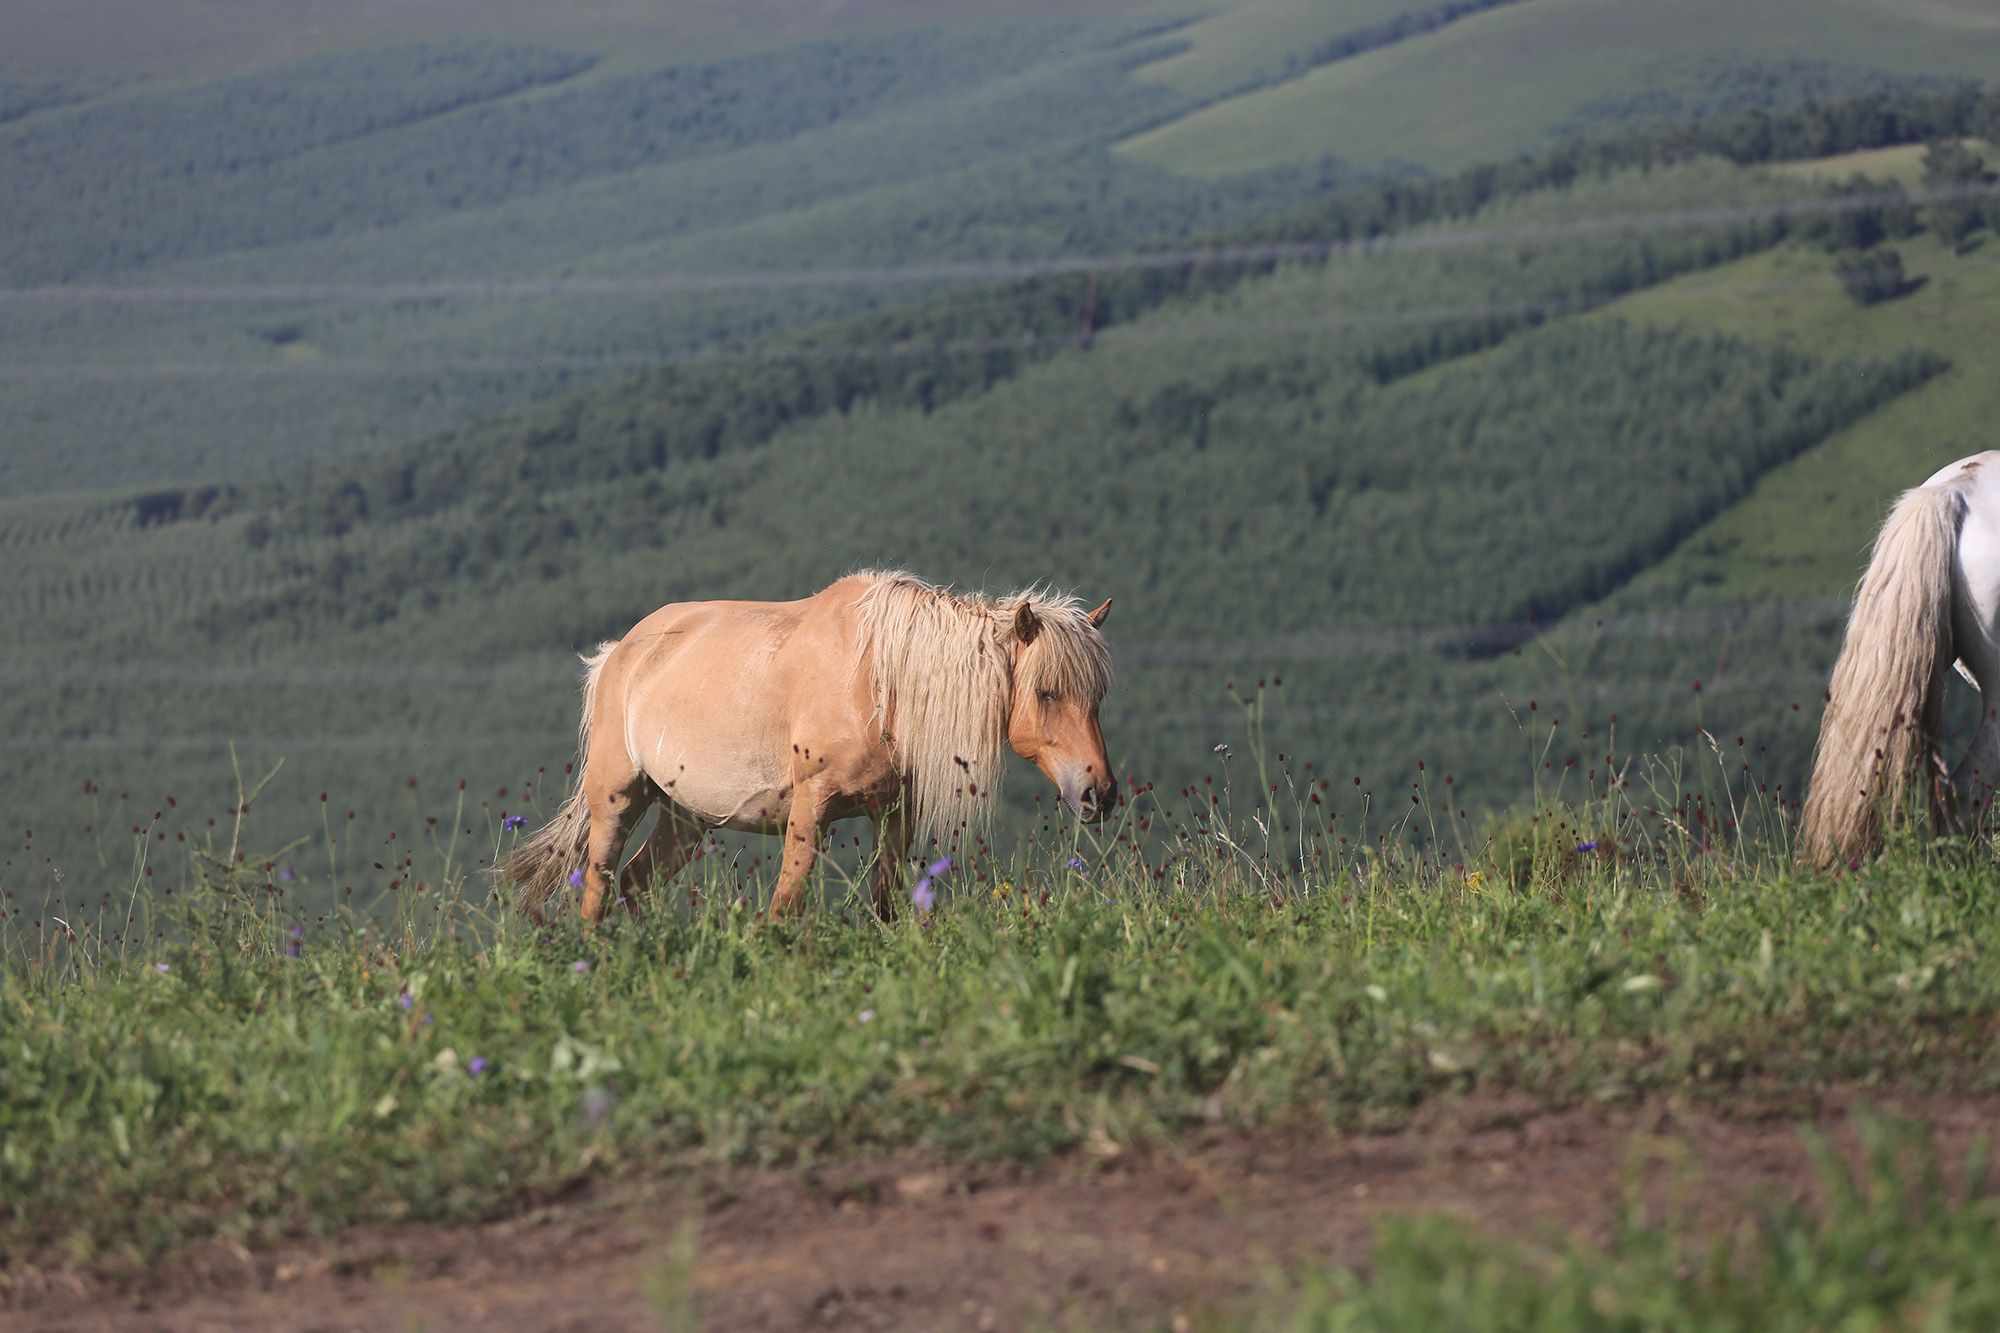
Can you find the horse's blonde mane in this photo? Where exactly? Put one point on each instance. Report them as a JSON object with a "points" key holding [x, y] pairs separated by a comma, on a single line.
{"points": [[945, 679]]}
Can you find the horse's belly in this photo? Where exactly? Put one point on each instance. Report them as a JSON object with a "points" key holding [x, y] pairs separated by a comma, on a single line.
{"points": [[727, 796], [747, 808], [734, 786]]}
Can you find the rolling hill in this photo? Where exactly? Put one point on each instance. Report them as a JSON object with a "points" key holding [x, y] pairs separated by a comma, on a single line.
{"points": [[212, 278], [1500, 79], [1361, 475], [1334, 443], [307, 181]]}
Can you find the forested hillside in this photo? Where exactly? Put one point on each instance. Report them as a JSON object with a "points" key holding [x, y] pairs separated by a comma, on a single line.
{"points": [[334, 435], [1474, 81], [240, 274], [1361, 468], [394, 224]]}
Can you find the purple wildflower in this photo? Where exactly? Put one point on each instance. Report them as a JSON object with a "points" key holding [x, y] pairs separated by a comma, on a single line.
{"points": [[576, 879], [1590, 846], [1075, 863], [286, 874], [579, 966], [161, 967], [405, 1000], [513, 821], [923, 895], [298, 942], [868, 1015], [476, 1065]]}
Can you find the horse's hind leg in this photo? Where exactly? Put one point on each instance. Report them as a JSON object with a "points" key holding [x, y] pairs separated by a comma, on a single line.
{"points": [[670, 846], [619, 796]]}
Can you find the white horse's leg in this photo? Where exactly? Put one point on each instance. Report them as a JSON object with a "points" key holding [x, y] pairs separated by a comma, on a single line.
{"points": [[1975, 625], [1978, 773]]}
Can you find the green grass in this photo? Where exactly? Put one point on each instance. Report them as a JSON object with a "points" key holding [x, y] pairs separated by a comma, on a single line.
{"points": [[171, 1072], [1890, 1244], [1500, 82]]}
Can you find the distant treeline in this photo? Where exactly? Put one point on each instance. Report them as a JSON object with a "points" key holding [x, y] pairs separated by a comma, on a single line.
{"points": [[1700, 88], [1876, 120], [18, 99]]}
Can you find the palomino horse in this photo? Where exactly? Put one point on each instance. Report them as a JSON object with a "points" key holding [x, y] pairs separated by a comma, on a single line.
{"points": [[1931, 597], [879, 695]]}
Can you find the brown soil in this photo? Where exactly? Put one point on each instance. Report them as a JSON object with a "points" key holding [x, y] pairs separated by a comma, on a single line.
{"points": [[1105, 1239]]}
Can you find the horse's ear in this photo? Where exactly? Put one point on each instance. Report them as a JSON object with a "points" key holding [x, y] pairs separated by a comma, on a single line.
{"points": [[1026, 623], [1101, 614]]}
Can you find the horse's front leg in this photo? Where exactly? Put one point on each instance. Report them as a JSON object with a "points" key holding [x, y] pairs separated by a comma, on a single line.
{"points": [[804, 826], [892, 854]]}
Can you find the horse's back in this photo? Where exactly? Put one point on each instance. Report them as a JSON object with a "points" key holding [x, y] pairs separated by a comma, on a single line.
{"points": [[752, 640]]}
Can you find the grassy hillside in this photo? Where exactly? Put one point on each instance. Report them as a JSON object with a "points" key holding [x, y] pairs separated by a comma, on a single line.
{"points": [[1364, 475], [1505, 79], [379, 149], [883, 149], [408, 621], [103, 41]]}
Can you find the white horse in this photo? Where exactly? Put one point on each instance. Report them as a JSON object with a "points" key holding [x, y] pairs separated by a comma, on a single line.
{"points": [[1930, 599]]}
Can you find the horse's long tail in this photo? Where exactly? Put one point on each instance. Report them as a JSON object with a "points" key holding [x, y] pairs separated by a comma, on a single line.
{"points": [[1882, 703], [541, 865]]}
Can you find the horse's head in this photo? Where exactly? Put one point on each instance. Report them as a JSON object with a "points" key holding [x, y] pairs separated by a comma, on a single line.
{"points": [[1061, 671]]}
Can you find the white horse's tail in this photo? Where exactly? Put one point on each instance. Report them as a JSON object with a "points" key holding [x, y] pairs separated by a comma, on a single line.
{"points": [[1882, 704], [541, 865]]}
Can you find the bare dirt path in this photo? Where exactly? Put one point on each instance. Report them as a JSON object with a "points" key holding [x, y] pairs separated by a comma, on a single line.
{"points": [[895, 1243]]}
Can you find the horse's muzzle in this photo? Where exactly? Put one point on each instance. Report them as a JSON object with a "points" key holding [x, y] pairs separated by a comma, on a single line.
{"points": [[1093, 801]]}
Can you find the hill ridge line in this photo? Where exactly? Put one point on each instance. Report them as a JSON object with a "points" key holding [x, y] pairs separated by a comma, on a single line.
{"points": [[991, 270]]}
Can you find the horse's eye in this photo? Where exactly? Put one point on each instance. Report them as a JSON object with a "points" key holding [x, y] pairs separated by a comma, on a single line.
{"points": [[1046, 696]]}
